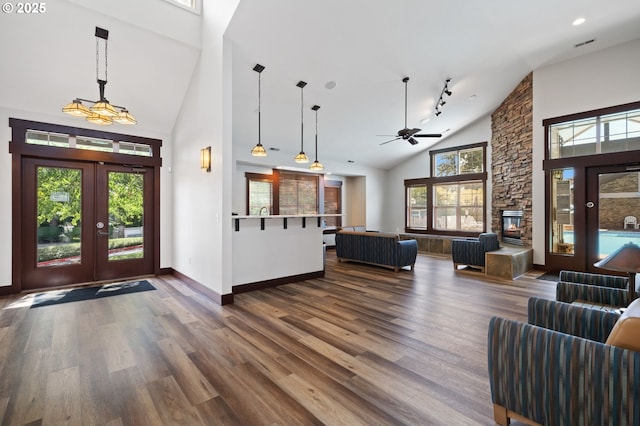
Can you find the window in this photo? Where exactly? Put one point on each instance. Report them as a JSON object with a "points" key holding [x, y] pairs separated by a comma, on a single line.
{"points": [[298, 193], [190, 5], [91, 144], [332, 202], [452, 201], [283, 193], [259, 194], [613, 132]]}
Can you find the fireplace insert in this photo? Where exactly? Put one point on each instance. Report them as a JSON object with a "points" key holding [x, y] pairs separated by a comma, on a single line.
{"points": [[511, 227]]}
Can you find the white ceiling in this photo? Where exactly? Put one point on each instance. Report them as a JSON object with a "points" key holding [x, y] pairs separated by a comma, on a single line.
{"points": [[366, 47]]}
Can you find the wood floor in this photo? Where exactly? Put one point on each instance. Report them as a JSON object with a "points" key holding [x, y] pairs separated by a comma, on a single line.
{"points": [[364, 345]]}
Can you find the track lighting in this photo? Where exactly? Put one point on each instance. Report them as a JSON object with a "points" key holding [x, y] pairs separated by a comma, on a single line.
{"points": [[441, 101]]}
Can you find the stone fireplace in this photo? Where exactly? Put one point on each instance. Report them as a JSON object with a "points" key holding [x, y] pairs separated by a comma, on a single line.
{"points": [[512, 227]]}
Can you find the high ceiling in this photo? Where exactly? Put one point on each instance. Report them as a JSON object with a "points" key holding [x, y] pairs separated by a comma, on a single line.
{"points": [[365, 48]]}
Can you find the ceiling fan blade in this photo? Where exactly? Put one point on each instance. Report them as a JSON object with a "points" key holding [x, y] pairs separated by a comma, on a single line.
{"points": [[395, 139], [428, 135], [388, 136]]}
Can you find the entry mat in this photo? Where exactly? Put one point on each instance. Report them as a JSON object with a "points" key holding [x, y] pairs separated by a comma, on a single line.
{"points": [[55, 297]]}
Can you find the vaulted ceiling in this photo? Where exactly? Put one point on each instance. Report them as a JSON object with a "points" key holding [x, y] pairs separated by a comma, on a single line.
{"points": [[353, 55]]}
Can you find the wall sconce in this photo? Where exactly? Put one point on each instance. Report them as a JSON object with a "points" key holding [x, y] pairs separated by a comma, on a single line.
{"points": [[205, 159]]}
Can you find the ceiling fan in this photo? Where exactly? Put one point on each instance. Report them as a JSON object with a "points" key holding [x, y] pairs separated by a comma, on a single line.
{"points": [[406, 133]]}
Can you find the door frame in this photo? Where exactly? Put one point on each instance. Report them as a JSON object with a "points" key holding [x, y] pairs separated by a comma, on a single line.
{"points": [[18, 148]]}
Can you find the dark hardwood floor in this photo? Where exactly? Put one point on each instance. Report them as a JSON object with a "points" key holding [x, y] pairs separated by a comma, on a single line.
{"points": [[364, 345]]}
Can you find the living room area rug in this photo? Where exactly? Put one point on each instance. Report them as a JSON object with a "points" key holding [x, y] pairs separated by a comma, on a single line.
{"points": [[55, 297]]}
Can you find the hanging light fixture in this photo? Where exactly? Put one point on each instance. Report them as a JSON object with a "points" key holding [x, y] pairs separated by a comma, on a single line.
{"points": [[316, 165], [101, 111], [258, 150], [301, 157]]}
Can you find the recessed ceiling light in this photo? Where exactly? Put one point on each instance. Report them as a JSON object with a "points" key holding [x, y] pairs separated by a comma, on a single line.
{"points": [[472, 97], [578, 21], [425, 120], [274, 149], [350, 161], [330, 84]]}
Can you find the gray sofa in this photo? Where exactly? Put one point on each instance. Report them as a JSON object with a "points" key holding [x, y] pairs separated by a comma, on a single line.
{"points": [[377, 248]]}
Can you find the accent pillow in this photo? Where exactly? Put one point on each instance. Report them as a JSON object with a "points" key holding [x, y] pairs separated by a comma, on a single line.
{"points": [[626, 332]]}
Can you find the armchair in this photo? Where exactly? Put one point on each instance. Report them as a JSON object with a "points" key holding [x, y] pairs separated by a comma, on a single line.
{"points": [[568, 366], [470, 251], [596, 288]]}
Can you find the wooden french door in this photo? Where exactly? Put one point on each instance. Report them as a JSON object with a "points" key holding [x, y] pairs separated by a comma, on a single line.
{"points": [[85, 221]]}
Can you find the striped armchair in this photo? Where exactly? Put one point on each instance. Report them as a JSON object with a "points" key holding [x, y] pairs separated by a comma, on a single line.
{"points": [[470, 251], [596, 288], [560, 370]]}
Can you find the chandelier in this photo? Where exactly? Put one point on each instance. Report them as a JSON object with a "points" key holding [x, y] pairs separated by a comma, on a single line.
{"points": [[101, 111]]}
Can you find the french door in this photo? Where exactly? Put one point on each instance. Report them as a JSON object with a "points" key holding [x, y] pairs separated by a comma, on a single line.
{"points": [[85, 221], [594, 211]]}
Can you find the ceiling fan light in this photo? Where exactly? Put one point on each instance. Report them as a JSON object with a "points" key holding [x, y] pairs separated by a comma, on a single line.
{"points": [[316, 165], [104, 108], [99, 119], [76, 109], [259, 151], [301, 158], [124, 117]]}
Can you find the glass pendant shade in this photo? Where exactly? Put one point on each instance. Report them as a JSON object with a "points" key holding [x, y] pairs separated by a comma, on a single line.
{"points": [[104, 108], [99, 119], [316, 165], [124, 117], [259, 151], [101, 111], [301, 158], [76, 109]]}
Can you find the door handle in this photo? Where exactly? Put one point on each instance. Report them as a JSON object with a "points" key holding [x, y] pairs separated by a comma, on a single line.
{"points": [[103, 233]]}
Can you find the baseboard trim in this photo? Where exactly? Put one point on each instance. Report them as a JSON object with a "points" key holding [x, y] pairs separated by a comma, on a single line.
{"points": [[260, 285], [220, 299]]}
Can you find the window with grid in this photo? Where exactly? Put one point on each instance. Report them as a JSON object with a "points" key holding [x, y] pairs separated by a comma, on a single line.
{"points": [[451, 201]]}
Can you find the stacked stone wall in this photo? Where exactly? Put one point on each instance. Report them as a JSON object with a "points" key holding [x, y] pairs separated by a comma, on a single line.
{"points": [[512, 157]]}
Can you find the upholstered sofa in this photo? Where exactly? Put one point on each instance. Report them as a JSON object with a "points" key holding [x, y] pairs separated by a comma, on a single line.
{"points": [[569, 365], [470, 251], [377, 248], [595, 288]]}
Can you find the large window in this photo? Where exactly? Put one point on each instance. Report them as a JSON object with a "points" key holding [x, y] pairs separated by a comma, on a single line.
{"points": [[452, 201], [298, 193]]}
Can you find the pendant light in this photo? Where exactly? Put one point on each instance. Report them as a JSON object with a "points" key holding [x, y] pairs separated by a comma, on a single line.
{"points": [[101, 112], [258, 150], [301, 157], [316, 165]]}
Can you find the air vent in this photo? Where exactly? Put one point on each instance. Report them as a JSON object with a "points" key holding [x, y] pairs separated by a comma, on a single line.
{"points": [[584, 43]]}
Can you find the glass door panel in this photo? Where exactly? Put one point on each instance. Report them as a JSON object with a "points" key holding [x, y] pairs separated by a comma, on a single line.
{"points": [[126, 215], [562, 212], [618, 211], [58, 217]]}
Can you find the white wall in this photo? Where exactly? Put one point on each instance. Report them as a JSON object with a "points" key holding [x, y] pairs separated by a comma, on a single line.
{"points": [[202, 201], [598, 80], [419, 167]]}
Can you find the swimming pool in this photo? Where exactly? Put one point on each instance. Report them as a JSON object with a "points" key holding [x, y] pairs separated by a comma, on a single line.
{"points": [[609, 241]]}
